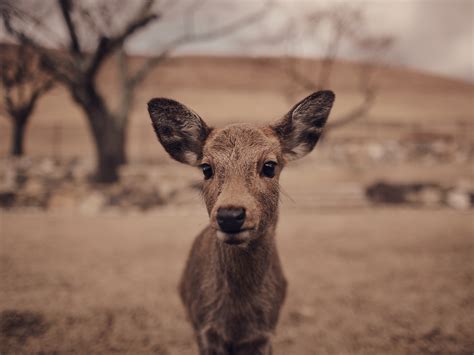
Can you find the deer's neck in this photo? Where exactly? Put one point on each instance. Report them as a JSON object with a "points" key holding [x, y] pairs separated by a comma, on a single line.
{"points": [[242, 270]]}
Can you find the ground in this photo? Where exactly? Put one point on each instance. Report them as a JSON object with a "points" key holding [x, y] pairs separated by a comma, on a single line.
{"points": [[102, 284], [363, 278]]}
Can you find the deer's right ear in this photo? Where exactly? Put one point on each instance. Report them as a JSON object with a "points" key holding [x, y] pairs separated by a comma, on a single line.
{"points": [[181, 131], [301, 128]]}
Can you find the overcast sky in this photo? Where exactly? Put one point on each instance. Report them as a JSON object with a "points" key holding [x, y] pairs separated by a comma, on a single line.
{"points": [[431, 35]]}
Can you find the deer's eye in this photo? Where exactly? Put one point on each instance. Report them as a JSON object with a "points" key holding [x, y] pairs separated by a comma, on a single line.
{"points": [[268, 169], [207, 171]]}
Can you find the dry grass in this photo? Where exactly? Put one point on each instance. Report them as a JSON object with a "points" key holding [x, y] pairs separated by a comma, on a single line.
{"points": [[361, 282]]}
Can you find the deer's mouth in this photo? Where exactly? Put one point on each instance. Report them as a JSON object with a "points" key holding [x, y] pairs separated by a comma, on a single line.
{"points": [[233, 241], [237, 238]]}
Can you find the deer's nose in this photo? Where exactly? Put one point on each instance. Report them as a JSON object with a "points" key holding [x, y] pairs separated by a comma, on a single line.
{"points": [[230, 220]]}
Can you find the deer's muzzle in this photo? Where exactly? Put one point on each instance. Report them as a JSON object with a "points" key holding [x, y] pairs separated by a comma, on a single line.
{"points": [[230, 220]]}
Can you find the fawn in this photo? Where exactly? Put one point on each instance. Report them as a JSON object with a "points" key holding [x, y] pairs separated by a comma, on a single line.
{"points": [[233, 286]]}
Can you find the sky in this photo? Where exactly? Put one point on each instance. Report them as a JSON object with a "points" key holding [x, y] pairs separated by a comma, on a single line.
{"points": [[430, 35], [435, 36]]}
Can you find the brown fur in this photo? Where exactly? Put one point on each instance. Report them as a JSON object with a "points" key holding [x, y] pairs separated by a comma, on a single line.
{"points": [[233, 293]]}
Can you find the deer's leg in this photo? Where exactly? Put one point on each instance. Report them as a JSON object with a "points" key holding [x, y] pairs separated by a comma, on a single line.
{"points": [[260, 345], [211, 343]]}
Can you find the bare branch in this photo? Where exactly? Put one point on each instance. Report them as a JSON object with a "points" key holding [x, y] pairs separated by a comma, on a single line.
{"points": [[66, 8], [14, 16], [226, 29], [356, 113], [191, 37], [23, 84], [38, 92], [346, 25], [59, 67], [304, 81], [149, 64], [77, 68], [126, 89], [107, 45]]}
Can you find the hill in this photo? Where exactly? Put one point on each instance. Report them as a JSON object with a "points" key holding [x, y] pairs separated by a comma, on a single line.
{"points": [[233, 89]]}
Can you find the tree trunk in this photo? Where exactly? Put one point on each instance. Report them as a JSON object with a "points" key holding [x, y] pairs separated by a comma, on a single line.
{"points": [[18, 135], [108, 131], [123, 138], [110, 147]]}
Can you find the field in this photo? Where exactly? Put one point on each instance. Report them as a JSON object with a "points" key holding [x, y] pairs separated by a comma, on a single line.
{"points": [[107, 284], [229, 90], [363, 278]]}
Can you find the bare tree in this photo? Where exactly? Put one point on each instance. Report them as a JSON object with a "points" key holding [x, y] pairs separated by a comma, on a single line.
{"points": [[23, 83], [341, 26], [78, 68], [94, 33]]}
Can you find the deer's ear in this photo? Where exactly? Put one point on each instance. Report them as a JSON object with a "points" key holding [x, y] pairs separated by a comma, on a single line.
{"points": [[301, 128], [181, 131]]}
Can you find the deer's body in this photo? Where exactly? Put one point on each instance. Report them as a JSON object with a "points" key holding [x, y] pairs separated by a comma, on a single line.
{"points": [[233, 286], [229, 308]]}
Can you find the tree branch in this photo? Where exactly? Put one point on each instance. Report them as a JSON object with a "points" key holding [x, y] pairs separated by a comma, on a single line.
{"points": [[149, 64], [356, 113], [187, 38], [302, 80], [23, 83], [227, 28], [47, 60], [346, 24], [107, 45], [66, 8], [38, 92], [127, 89]]}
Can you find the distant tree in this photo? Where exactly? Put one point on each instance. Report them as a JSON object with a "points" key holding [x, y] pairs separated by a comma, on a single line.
{"points": [[334, 28], [95, 31], [23, 83], [89, 45]]}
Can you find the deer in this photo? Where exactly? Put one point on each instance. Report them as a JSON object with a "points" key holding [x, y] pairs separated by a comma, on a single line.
{"points": [[233, 286]]}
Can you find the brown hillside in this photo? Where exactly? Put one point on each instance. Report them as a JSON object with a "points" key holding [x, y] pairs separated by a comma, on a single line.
{"points": [[225, 90]]}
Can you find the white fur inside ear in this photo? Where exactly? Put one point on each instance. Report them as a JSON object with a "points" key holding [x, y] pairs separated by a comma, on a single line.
{"points": [[190, 158], [300, 148], [297, 152]]}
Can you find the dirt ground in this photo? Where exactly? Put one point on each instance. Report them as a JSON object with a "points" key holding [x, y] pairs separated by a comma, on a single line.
{"points": [[369, 281], [362, 279]]}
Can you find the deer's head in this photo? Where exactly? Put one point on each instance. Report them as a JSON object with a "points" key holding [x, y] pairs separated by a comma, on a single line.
{"points": [[241, 163]]}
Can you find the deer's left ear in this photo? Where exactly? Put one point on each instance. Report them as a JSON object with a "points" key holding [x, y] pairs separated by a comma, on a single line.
{"points": [[180, 130], [301, 128]]}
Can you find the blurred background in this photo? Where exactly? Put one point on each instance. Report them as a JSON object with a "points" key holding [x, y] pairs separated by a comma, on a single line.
{"points": [[96, 221]]}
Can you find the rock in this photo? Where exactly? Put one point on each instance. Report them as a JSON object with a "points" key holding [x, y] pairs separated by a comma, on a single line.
{"points": [[375, 151], [46, 167], [34, 193], [8, 179], [93, 203], [431, 196], [382, 192], [33, 187], [7, 199], [393, 150], [458, 199], [78, 170], [62, 200], [426, 194], [24, 163]]}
